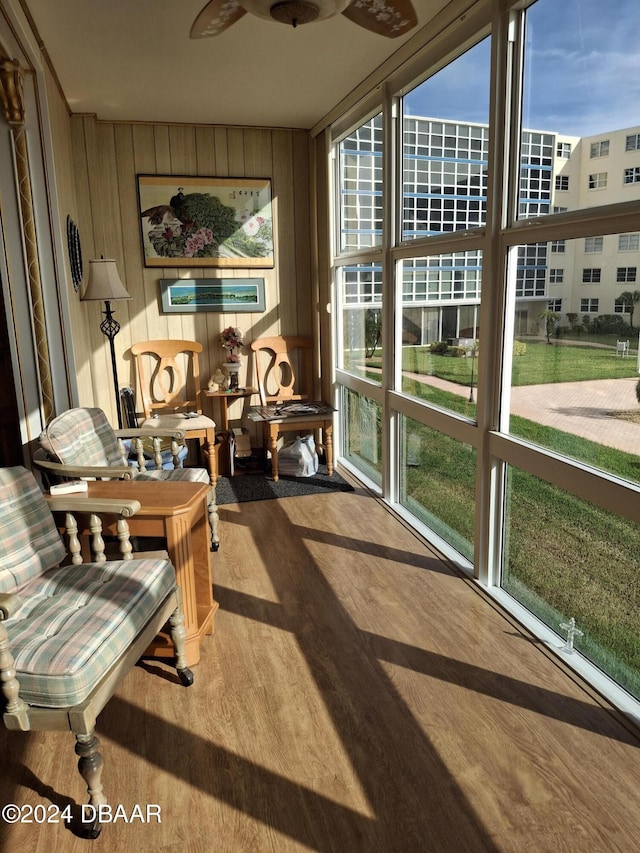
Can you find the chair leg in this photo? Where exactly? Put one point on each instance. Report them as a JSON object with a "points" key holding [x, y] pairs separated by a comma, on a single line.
{"points": [[178, 634], [90, 765], [328, 447], [213, 520]]}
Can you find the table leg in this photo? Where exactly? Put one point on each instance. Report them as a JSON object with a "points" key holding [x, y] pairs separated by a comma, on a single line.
{"points": [[273, 447]]}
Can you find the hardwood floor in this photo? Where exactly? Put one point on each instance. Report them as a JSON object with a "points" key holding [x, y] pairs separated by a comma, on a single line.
{"points": [[356, 696]]}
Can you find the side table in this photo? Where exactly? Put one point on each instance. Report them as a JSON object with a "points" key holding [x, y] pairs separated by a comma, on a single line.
{"points": [[225, 397], [178, 513]]}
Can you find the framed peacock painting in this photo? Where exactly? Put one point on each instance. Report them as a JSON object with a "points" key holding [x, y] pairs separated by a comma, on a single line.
{"points": [[205, 222]]}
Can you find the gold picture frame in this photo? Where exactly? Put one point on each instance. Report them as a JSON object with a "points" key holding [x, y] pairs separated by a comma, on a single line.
{"points": [[205, 222]]}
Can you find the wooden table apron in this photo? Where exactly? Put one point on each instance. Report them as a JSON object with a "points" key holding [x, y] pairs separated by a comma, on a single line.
{"points": [[178, 513]]}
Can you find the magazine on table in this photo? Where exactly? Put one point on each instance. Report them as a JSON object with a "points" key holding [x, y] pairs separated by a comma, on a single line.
{"points": [[290, 410]]}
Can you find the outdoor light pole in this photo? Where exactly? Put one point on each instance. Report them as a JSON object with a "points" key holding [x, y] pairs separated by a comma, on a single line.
{"points": [[473, 359]]}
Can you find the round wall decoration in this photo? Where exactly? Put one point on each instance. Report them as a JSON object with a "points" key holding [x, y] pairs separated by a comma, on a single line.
{"points": [[75, 253]]}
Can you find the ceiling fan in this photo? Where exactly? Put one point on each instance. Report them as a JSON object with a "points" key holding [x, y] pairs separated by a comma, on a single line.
{"points": [[389, 18]]}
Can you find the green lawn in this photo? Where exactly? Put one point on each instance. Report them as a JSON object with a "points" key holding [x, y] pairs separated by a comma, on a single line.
{"points": [[542, 363]]}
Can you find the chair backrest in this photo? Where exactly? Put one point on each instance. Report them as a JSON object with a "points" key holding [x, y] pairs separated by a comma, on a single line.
{"points": [[168, 375], [29, 540], [81, 436], [283, 368]]}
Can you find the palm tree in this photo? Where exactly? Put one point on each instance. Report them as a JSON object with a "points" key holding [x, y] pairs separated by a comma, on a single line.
{"points": [[629, 298], [550, 320]]}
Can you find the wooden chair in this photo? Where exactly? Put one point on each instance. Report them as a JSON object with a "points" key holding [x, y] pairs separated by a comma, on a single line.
{"points": [[82, 443], [169, 386], [284, 372], [69, 632]]}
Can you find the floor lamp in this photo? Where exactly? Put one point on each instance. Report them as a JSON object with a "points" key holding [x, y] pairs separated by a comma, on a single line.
{"points": [[105, 286]]}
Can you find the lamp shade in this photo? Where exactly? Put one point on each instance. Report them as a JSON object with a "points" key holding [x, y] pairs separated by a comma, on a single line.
{"points": [[104, 282]]}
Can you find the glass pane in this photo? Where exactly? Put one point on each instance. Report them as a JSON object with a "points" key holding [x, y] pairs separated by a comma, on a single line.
{"points": [[576, 562], [575, 357], [440, 333], [446, 141], [360, 160], [580, 130], [437, 483], [360, 293], [362, 439]]}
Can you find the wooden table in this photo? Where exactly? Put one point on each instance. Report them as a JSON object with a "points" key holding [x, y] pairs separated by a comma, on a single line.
{"points": [[277, 418], [225, 397], [176, 512]]}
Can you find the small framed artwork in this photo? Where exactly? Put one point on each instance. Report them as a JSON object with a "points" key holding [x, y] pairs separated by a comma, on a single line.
{"points": [[205, 222], [237, 295]]}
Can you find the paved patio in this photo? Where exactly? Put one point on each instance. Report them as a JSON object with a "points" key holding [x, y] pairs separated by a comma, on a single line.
{"points": [[582, 408]]}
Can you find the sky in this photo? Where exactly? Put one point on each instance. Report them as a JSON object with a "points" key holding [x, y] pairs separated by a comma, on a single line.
{"points": [[582, 71]]}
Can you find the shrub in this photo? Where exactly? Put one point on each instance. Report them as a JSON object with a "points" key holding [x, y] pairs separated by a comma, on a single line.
{"points": [[519, 348], [438, 347], [609, 324], [456, 352]]}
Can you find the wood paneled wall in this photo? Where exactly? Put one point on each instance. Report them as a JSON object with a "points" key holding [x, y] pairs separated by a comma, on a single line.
{"points": [[106, 159]]}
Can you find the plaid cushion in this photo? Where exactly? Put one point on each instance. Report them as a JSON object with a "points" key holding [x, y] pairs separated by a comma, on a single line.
{"points": [[29, 540], [81, 437], [185, 475], [75, 621]]}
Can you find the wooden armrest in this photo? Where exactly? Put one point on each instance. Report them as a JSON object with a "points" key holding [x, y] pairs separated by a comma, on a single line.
{"points": [[9, 603], [58, 469], [81, 503]]}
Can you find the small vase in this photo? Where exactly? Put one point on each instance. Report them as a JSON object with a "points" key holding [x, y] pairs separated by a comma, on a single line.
{"points": [[233, 368]]}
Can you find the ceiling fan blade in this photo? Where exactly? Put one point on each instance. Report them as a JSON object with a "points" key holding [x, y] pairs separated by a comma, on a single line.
{"points": [[391, 18], [217, 16]]}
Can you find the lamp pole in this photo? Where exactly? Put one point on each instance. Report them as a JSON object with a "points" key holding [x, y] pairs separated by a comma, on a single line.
{"points": [[110, 327], [104, 286]]}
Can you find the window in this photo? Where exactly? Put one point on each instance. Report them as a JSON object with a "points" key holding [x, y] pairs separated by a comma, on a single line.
{"points": [[621, 306], [360, 169], [591, 275], [632, 142], [629, 242], [625, 274], [598, 181], [593, 244], [419, 445]]}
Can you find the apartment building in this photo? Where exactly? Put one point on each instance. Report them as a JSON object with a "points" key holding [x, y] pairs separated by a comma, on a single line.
{"points": [[444, 190]]}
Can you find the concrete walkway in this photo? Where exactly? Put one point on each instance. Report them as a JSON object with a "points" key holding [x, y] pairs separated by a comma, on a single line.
{"points": [[582, 408]]}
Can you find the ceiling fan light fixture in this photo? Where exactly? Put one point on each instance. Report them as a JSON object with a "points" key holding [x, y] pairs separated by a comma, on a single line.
{"points": [[300, 11], [294, 12]]}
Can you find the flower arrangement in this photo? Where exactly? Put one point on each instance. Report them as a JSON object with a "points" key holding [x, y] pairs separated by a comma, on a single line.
{"points": [[232, 339]]}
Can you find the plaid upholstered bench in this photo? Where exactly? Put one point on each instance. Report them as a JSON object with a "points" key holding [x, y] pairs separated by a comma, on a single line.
{"points": [[69, 633]]}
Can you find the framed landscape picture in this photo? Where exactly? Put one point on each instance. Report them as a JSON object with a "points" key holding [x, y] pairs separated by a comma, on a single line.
{"points": [[184, 295], [205, 222]]}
